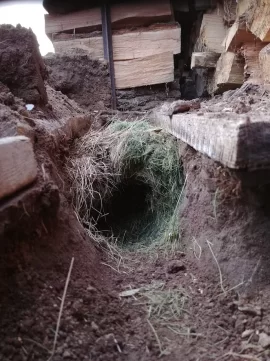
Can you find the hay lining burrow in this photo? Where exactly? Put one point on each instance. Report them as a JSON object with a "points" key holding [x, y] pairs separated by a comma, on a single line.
{"points": [[128, 153]]}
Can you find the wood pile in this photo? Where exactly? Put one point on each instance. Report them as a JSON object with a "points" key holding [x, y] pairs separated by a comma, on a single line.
{"points": [[142, 56], [245, 38]]}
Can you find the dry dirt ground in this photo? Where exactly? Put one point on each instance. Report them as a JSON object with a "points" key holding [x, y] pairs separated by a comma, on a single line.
{"points": [[204, 297]]}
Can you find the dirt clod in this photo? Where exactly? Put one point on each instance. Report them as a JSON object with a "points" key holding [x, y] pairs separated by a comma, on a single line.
{"points": [[175, 266]]}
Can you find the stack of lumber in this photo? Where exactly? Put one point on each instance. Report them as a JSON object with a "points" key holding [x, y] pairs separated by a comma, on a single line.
{"points": [[143, 56], [246, 38]]}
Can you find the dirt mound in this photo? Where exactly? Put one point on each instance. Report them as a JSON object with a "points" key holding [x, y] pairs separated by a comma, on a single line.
{"points": [[21, 66], [81, 78], [147, 97]]}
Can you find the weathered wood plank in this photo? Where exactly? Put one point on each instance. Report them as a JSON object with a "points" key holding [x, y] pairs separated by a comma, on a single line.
{"points": [[226, 138], [154, 69], [229, 73], [94, 46], [128, 14], [204, 60], [264, 59], [260, 25], [237, 35], [130, 44], [18, 166], [252, 70], [141, 43], [212, 33]]}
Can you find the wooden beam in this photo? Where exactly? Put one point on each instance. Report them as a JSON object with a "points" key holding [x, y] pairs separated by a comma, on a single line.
{"points": [[204, 60], [131, 14], [131, 44], [94, 46], [154, 69], [260, 25], [226, 138], [264, 59], [212, 33], [252, 71], [237, 35], [229, 73], [18, 167]]}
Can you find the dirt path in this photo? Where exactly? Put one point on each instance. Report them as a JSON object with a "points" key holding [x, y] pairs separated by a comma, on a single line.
{"points": [[153, 306]]}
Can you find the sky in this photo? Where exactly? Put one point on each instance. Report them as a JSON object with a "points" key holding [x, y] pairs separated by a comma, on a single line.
{"points": [[30, 15]]}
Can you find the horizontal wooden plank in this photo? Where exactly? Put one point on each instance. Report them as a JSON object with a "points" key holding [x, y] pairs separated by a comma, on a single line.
{"points": [[204, 60], [128, 14], [154, 69], [130, 44], [18, 166], [94, 46], [226, 138], [141, 43]]}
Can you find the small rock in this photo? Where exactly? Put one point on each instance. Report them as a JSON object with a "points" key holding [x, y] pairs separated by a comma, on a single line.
{"points": [[66, 354], [247, 333], [264, 340], [94, 326], [175, 267], [252, 310]]}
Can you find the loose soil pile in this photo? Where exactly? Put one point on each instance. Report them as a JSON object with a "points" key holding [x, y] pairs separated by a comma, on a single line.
{"points": [[81, 78], [193, 299], [21, 66]]}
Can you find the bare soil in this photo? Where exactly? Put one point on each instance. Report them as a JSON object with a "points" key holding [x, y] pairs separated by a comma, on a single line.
{"points": [[208, 299], [81, 78]]}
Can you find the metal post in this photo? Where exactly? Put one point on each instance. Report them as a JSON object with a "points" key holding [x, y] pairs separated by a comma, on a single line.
{"points": [[108, 48]]}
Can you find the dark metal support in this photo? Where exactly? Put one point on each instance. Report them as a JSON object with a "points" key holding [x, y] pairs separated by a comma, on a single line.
{"points": [[108, 47]]}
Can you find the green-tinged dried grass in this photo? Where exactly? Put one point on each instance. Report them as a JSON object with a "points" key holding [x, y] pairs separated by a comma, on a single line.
{"points": [[121, 152]]}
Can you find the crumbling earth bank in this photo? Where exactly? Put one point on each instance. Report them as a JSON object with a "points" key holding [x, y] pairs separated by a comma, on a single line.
{"points": [[21, 66], [81, 78]]}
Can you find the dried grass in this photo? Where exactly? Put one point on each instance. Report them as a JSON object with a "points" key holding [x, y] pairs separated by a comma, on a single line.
{"points": [[122, 151]]}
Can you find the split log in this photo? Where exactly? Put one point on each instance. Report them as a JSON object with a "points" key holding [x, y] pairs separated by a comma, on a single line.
{"points": [[130, 44], [229, 73], [237, 35], [122, 15], [154, 69], [204, 60], [18, 167], [226, 138], [252, 71], [264, 59], [260, 25], [212, 33]]}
